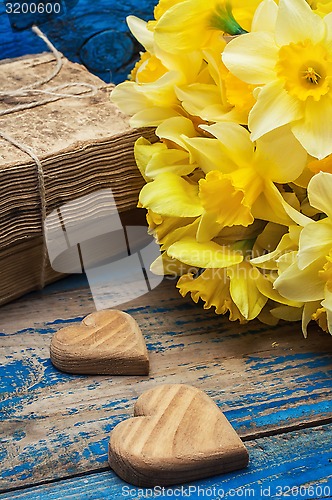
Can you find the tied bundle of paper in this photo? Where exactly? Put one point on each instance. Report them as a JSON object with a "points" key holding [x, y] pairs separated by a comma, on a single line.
{"points": [[82, 143]]}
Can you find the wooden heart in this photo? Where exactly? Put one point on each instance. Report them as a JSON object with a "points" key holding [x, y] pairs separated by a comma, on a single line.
{"points": [[178, 434], [107, 342]]}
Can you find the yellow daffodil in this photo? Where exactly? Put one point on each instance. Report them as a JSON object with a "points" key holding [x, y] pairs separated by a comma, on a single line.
{"points": [[306, 275], [240, 181], [169, 155], [235, 180], [195, 24], [220, 96], [288, 58], [149, 97]]}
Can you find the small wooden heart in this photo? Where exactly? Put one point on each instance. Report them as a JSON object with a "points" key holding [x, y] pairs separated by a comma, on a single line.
{"points": [[107, 342], [178, 434]]}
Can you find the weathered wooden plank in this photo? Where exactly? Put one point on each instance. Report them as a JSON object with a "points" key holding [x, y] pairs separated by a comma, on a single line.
{"points": [[56, 425], [296, 465], [92, 33]]}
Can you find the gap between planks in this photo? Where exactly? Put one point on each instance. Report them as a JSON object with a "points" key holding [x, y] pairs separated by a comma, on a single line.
{"points": [[245, 438]]}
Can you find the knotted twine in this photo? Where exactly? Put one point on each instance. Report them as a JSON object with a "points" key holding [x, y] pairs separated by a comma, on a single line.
{"points": [[53, 94]]}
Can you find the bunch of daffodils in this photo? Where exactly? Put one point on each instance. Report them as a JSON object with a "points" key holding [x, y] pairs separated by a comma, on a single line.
{"points": [[239, 181]]}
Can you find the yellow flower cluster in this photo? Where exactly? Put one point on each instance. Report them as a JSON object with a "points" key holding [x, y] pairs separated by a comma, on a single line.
{"points": [[239, 181]]}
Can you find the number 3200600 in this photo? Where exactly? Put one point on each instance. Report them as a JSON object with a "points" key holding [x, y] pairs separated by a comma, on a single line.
{"points": [[33, 8]]}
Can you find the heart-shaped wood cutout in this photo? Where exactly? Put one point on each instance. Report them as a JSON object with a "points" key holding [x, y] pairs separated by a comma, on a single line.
{"points": [[178, 434], [107, 342]]}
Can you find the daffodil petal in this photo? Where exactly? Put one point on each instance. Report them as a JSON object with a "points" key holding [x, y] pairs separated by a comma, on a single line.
{"points": [[139, 29], [266, 288], [197, 97], [154, 169], [177, 37], [208, 227], [170, 160], [225, 197], [186, 231], [271, 206], [309, 309], [212, 286], [265, 17], [174, 128], [144, 151], [280, 157], [328, 24], [209, 154], [320, 192], [251, 57], [287, 313], [161, 91], [186, 65], [314, 131], [296, 216], [166, 266], [267, 318], [235, 140], [296, 21], [126, 98], [217, 113], [205, 255], [329, 320], [244, 290], [151, 116], [274, 108], [327, 302], [286, 260], [315, 241], [275, 236], [171, 195], [304, 286]]}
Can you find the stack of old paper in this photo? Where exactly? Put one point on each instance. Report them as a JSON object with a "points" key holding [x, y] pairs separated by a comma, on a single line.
{"points": [[84, 144]]}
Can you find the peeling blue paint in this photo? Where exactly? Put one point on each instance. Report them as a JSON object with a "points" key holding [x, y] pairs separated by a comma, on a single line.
{"points": [[310, 360], [278, 463], [262, 402], [61, 321]]}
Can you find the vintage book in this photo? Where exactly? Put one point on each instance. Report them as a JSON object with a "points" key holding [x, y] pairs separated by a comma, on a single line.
{"points": [[84, 144]]}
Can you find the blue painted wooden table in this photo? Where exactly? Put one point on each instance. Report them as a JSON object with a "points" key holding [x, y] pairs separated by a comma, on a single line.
{"points": [[273, 385]]}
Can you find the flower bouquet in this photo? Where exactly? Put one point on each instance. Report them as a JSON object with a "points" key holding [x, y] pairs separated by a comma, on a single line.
{"points": [[239, 185]]}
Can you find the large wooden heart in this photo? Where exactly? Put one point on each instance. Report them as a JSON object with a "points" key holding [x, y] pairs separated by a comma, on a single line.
{"points": [[178, 434], [106, 342]]}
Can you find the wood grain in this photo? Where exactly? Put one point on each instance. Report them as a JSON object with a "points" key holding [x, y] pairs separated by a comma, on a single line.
{"points": [[92, 33], [177, 434], [300, 459], [107, 342], [266, 380]]}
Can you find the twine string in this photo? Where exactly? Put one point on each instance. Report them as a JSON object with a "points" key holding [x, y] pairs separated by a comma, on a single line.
{"points": [[83, 90]]}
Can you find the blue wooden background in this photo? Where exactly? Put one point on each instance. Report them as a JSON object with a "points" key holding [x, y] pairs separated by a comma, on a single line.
{"points": [[273, 385], [91, 32]]}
